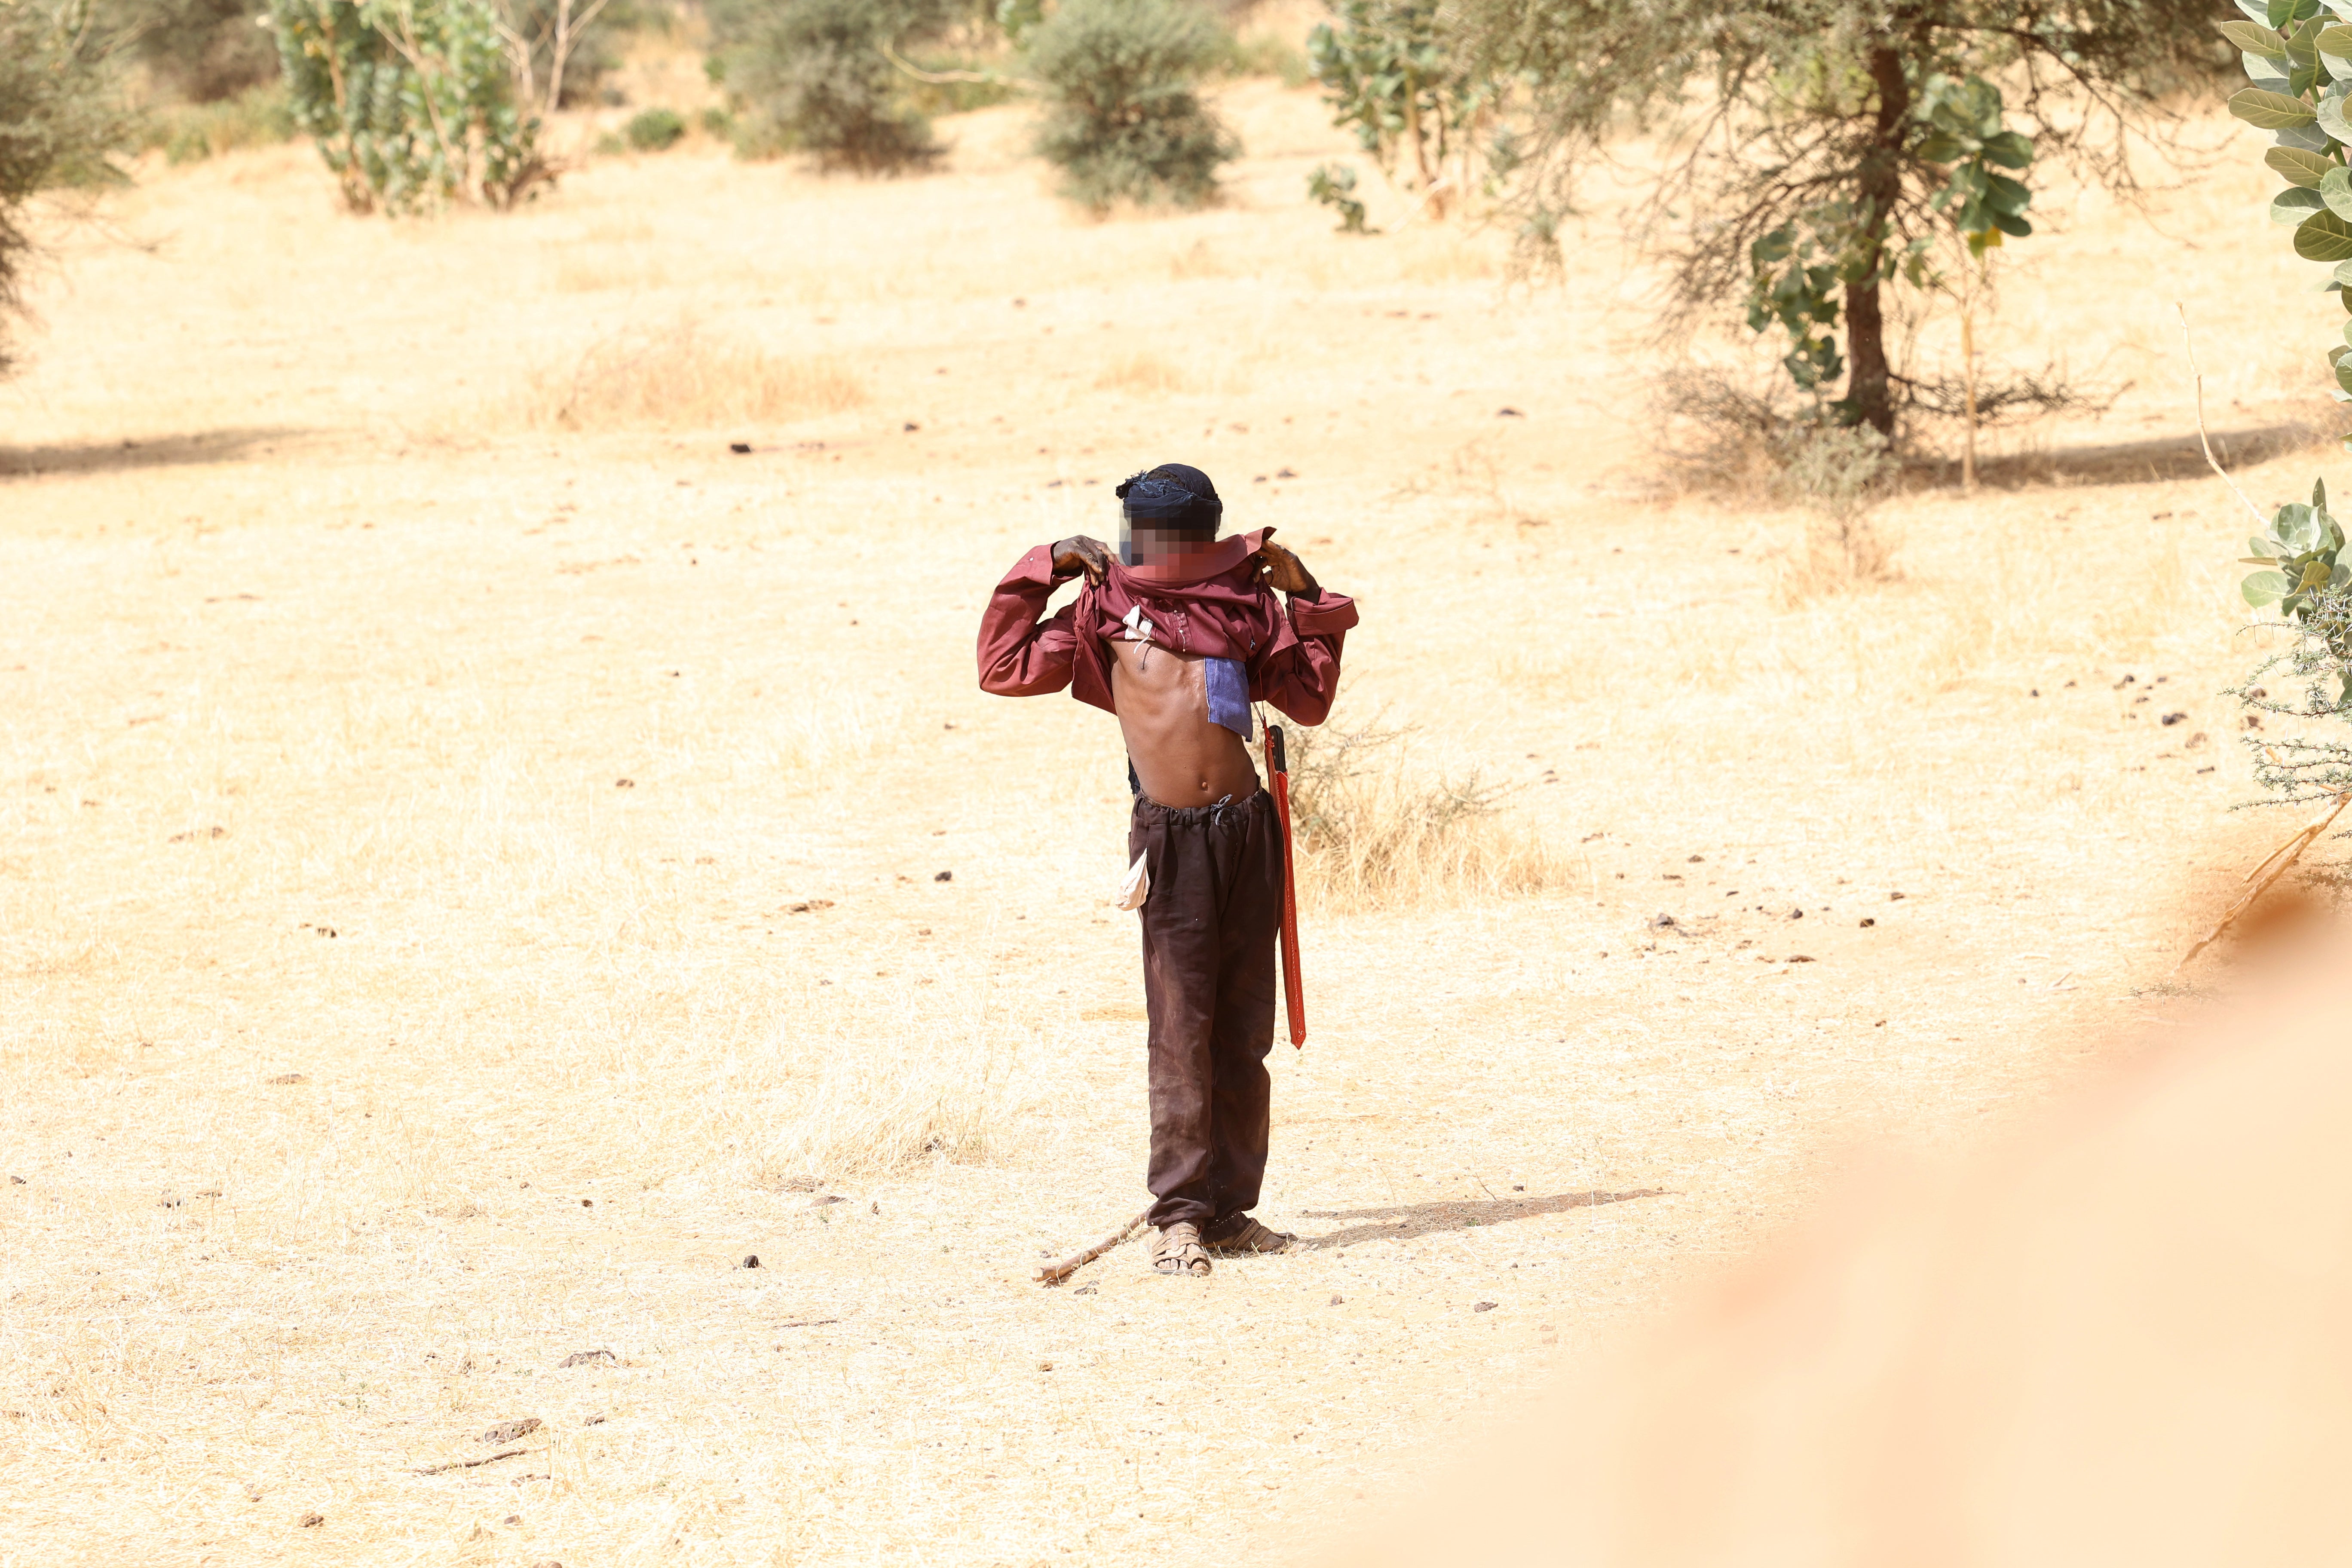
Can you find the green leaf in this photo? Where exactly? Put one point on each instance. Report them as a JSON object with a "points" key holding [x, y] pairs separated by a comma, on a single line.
{"points": [[2323, 237], [2330, 117], [2258, 9], [2319, 498], [2336, 192], [2344, 373], [2253, 39], [2295, 203], [2310, 137], [1942, 147], [2012, 225], [2013, 149], [2263, 588], [2270, 111], [2305, 169]]}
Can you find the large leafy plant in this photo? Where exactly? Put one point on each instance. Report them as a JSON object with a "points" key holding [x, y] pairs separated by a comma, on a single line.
{"points": [[411, 102], [2299, 556], [2298, 56], [1393, 75]]}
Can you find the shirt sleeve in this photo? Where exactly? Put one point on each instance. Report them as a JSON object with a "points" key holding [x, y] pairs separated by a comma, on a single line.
{"points": [[1021, 655], [1302, 678]]}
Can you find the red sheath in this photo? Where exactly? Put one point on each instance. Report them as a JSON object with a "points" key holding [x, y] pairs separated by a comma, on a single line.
{"points": [[1294, 1003]]}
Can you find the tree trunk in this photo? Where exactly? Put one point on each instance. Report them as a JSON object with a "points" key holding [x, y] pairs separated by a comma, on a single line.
{"points": [[1867, 392]]}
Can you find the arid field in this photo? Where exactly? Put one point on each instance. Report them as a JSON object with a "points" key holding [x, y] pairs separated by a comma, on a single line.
{"points": [[481, 859]]}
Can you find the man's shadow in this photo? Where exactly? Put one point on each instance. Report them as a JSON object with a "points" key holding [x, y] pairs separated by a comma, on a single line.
{"points": [[1400, 1221]]}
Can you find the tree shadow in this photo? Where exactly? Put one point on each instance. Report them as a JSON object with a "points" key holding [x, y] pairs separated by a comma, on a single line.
{"points": [[2144, 462], [1402, 1222], [227, 445]]}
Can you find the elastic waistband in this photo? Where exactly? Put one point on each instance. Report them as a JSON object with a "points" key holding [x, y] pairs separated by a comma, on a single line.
{"points": [[1150, 810]]}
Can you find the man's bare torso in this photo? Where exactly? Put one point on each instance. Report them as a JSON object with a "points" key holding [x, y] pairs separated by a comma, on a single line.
{"points": [[1181, 757]]}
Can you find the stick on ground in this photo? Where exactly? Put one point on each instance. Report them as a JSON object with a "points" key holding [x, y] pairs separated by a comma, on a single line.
{"points": [[468, 1464], [2285, 855], [1054, 1273]]}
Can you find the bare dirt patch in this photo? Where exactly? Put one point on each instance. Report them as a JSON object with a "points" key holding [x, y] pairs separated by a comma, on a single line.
{"points": [[674, 864]]}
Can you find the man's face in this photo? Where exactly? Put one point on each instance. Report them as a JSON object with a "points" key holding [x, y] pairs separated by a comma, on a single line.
{"points": [[1155, 543]]}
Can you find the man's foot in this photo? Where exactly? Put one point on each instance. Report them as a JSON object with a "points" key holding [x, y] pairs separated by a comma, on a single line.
{"points": [[1246, 1234], [1178, 1250]]}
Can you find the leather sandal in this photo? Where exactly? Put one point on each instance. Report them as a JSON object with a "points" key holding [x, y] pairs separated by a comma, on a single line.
{"points": [[1249, 1236], [1178, 1250]]}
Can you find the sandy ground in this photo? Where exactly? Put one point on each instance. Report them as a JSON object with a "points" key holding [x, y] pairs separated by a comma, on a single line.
{"points": [[323, 667]]}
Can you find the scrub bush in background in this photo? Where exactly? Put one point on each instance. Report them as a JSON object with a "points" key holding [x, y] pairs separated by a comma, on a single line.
{"points": [[1124, 119], [654, 130], [197, 51], [812, 76]]}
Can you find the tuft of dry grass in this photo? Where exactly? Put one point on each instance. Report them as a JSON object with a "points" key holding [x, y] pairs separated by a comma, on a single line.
{"points": [[1374, 829], [682, 377], [1142, 372]]}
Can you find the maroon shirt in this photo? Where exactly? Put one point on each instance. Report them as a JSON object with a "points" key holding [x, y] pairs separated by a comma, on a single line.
{"points": [[1213, 604]]}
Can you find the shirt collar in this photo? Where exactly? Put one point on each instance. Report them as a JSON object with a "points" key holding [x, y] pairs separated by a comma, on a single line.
{"points": [[1215, 562]]}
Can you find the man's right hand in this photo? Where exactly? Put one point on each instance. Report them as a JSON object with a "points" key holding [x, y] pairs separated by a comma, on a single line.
{"points": [[1080, 554]]}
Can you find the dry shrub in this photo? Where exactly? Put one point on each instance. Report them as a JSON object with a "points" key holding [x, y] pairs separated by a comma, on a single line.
{"points": [[913, 1089], [1373, 828], [682, 377], [1142, 372], [585, 270], [1840, 472], [1720, 430]]}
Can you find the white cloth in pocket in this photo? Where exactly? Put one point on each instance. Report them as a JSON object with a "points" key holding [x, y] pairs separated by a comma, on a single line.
{"points": [[1136, 885]]}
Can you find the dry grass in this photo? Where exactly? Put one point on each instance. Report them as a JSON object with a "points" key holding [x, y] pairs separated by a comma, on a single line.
{"points": [[682, 377], [1142, 372], [1377, 828], [242, 585]]}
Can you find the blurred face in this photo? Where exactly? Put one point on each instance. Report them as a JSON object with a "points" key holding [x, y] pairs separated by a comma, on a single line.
{"points": [[1155, 543]]}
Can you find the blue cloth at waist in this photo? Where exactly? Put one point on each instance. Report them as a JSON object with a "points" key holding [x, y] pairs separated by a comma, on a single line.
{"points": [[1228, 687]]}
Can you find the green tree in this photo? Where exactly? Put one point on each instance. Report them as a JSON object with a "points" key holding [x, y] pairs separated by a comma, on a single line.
{"points": [[63, 121], [1124, 119], [1824, 145]]}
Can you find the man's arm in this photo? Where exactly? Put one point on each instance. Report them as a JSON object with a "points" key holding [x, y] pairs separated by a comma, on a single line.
{"points": [[1302, 678], [1020, 655]]}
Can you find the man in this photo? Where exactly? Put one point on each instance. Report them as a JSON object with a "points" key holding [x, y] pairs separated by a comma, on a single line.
{"points": [[1178, 634]]}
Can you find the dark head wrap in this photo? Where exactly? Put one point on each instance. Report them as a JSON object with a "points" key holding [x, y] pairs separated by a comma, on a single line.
{"points": [[1171, 496]]}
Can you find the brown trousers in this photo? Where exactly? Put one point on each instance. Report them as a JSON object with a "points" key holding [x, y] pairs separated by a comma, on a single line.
{"points": [[1208, 981]]}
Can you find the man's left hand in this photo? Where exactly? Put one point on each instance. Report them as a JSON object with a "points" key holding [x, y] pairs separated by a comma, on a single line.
{"points": [[1284, 571]]}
